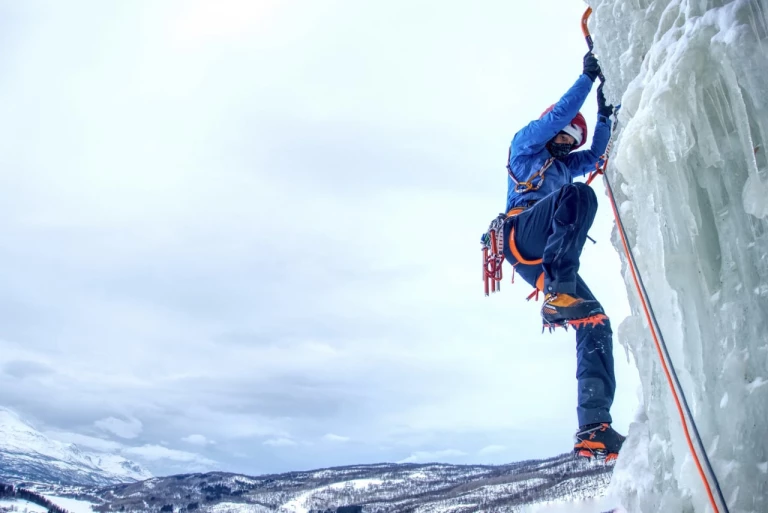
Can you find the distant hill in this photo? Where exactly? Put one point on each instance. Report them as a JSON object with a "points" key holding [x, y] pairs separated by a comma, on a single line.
{"points": [[401, 488]]}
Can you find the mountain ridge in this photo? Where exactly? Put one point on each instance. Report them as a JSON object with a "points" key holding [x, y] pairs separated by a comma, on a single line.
{"points": [[27, 454], [374, 488]]}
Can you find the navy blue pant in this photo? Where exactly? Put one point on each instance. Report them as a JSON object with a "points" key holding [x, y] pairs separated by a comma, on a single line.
{"points": [[555, 230]]}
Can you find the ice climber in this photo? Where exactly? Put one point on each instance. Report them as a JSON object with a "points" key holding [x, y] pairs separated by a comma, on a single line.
{"points": [[548, 217]]}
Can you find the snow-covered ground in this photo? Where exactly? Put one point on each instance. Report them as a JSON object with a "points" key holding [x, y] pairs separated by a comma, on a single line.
{"points": [[599, 505], [299, 503], [690, 172], [357, 483], [234, 507], [21, 506], [71, 505]]}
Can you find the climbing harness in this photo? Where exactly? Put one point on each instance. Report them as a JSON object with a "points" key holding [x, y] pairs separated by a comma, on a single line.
{"points": [[492, 244], [691, 432]]}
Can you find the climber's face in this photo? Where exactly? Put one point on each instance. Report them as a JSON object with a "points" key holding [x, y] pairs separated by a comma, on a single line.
{"points": [[563, 138]]}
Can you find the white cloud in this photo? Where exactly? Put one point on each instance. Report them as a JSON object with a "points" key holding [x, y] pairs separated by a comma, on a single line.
{"points": [[130, 428], [90, 442], [158, 452], [280, 442], [330, 437], [430, 457], [147, 452], [204, 21], [492, 449], [197, 440]]}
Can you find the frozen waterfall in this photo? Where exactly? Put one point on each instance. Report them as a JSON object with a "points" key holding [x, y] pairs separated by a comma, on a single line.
{"points": [[690, 174]]}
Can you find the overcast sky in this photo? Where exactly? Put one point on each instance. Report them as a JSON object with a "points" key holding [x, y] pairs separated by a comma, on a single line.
{"points": [[244, 234]]}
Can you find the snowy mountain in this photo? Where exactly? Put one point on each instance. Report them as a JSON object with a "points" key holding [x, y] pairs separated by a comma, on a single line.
{"points": [[383, 488], [26, 454], [690, 175], [53, 468]]}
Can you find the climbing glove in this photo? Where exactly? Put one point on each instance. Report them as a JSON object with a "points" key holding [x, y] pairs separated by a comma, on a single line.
{"points": [[603, 109], [591, 67]]}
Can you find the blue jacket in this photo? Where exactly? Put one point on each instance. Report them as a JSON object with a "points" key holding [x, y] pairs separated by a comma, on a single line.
{"points": [[528, 152]]}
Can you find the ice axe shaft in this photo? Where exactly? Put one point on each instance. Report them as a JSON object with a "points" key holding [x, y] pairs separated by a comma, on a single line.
{"points": [[585, 28], [588, 36]]}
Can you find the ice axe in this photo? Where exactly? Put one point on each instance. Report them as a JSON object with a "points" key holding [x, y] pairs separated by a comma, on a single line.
{"points": [[600, 167], [588, 36]]}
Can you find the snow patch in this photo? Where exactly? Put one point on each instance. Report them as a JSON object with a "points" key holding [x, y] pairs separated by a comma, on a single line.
{"points": [[237, 507], [755, 384], [21, 506], [599, 505], [71, 505], [357, 484], [754, 196]]}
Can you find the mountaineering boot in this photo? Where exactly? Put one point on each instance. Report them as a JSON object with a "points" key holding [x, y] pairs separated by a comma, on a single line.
{"points": [[597, 441], [560, 308]]}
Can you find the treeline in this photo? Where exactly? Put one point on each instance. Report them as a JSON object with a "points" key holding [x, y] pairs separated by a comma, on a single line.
{"points": [[10, 491]]}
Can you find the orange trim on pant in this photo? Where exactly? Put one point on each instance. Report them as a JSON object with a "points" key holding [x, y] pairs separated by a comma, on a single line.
{"points": [[515, 253]]}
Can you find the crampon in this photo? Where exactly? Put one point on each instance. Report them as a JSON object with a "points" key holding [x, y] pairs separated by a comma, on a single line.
{"points": [[599, 455], [592, 321]]}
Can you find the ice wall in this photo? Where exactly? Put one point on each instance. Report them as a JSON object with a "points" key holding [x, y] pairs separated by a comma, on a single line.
{"points": [[690, 172]]}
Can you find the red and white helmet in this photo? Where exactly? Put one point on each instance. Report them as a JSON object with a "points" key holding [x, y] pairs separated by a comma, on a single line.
{"points": [[576, 129]]}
